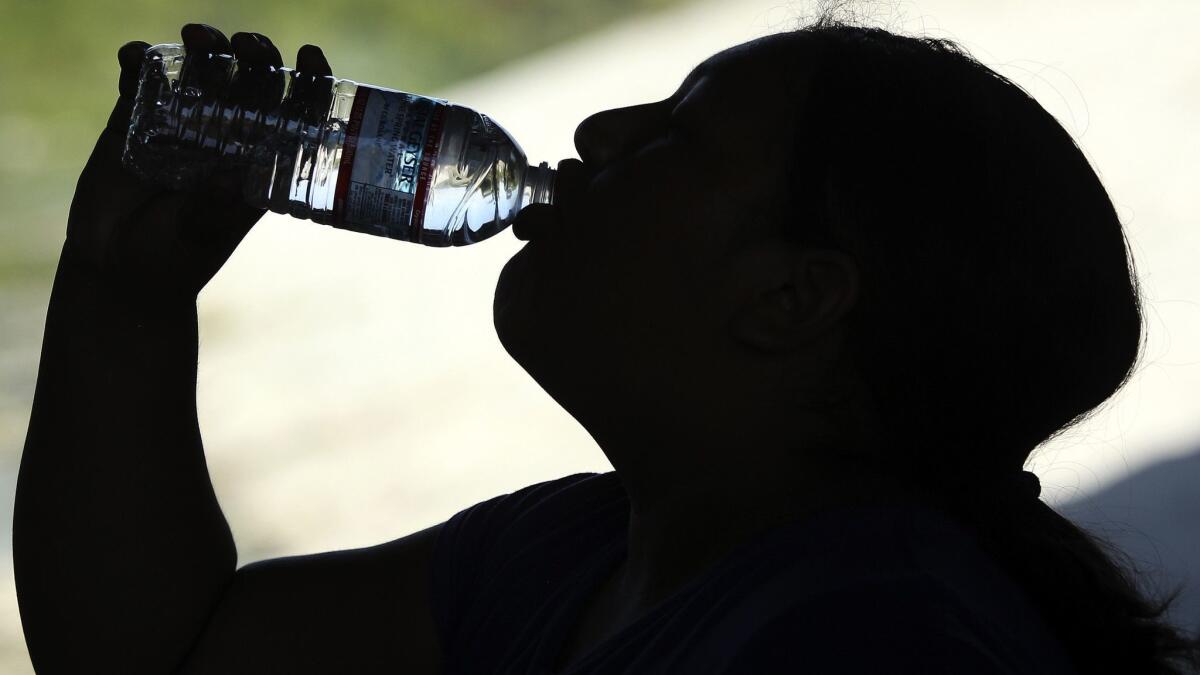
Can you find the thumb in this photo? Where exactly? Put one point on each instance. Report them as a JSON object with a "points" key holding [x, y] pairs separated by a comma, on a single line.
{"points": [[106, 192], [130, 56]]}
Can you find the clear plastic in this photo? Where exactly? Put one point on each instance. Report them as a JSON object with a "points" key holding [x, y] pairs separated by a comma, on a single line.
{"points": [[357, 157]]}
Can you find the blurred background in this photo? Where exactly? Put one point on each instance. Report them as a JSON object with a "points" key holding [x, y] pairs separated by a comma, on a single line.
{"points": [[352, 389]]}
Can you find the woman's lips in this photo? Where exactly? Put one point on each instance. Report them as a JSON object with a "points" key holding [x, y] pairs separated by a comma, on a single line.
{"points": [[540, 221]]}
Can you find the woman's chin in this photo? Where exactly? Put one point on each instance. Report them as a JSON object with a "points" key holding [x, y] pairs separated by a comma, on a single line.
{"points": [[511, 294], [511, 280]]}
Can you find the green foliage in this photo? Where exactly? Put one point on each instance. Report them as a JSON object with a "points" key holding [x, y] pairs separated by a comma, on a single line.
{"points": [[60, 73]]}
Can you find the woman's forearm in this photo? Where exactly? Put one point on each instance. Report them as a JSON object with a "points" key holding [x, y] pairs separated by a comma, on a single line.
{"points": [[120, 548]]}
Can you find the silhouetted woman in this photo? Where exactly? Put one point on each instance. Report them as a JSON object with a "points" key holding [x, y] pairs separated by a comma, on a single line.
{"points": [[817, 307]]}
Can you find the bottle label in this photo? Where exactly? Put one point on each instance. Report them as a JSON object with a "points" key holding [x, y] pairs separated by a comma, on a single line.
{"points": [[387, 162]]}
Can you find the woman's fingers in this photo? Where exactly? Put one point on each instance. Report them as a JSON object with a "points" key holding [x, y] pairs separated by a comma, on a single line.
{"points": [[103, 166], [247, 49], [257, 49], [202, 37], [130, 57], [310, 59], [259, 83], [270, 51], [313, 83], [106, 193], [208, 62]]}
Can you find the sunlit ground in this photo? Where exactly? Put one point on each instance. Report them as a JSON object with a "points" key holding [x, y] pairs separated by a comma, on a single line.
{"points": [[352, 389]]}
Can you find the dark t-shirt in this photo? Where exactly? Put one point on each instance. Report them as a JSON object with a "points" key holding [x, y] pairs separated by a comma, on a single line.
{"points": [[863, 589]]}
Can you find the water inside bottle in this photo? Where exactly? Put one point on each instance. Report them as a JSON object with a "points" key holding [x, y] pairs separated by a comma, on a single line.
{"points": [[325, 164]]}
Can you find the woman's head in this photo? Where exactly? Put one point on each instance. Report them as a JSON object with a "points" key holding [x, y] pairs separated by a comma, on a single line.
{"points": [[966, 271], [841, 233], [999, 301], [668, 286]]}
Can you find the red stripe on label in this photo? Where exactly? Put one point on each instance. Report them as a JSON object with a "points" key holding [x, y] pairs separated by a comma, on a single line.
{"points": [[353, 125], [433, 141]]}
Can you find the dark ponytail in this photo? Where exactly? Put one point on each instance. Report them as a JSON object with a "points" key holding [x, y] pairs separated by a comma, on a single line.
{"points": [[999, 305]]}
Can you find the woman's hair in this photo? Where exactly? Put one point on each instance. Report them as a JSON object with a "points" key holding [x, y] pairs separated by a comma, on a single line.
{"points": [[998, 304]]}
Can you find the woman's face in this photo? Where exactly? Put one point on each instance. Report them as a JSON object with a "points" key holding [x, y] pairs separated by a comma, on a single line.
{"points": [[628, 284]]}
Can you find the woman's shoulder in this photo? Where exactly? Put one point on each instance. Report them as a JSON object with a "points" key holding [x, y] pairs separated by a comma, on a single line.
{"points": [[902, 625], [903, 583], [905, 623]]}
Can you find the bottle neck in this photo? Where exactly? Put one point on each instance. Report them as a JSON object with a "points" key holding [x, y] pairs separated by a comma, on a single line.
{"points": [[539, 181]]}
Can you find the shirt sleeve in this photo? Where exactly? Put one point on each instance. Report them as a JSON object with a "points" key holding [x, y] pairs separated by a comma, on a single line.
{"points": [[889, 628], [468, 544]]}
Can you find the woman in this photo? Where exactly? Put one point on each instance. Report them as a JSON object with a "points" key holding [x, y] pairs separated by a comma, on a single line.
{"points": [[816, 307]]}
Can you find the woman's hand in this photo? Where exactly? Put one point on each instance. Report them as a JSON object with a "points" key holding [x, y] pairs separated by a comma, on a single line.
{"points": [[152, 247]]}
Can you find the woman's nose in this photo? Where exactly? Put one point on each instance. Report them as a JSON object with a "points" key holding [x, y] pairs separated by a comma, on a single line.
{"points": [[604, 136], [593, 141]]}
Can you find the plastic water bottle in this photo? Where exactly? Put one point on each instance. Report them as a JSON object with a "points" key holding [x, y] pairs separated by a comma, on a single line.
{"points": [[354, 156]]}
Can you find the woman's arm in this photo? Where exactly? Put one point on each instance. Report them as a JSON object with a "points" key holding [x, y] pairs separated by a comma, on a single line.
{"points": [[120, 549]]}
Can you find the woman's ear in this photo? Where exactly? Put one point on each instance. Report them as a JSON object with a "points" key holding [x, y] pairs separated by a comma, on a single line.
{"points": [[789, 310]]}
